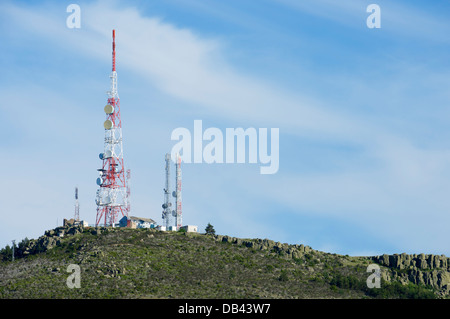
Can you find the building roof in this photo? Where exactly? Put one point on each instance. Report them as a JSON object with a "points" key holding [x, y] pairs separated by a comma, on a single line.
{"points": [[148, 220]]}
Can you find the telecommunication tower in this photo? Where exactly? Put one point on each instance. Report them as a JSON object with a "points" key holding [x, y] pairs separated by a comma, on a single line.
{"points": [[77, 207], [177, 213], [112, 196], [167, 204]]}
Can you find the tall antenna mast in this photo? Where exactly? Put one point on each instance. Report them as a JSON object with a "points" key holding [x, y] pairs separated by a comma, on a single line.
{"points": [[112, 196], [167, 204], [77, 207], [177, 194]]}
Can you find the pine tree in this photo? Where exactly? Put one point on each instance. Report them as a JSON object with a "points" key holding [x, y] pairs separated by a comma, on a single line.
{"points": [[210, 229], [6, 253]]}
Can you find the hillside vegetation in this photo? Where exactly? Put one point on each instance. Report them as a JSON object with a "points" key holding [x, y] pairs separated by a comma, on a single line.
{"points": [[146, 263]]}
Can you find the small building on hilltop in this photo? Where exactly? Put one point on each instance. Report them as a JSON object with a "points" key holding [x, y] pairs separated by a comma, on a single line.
{"points": [[137, 222], [72, 222], [190, 228]]}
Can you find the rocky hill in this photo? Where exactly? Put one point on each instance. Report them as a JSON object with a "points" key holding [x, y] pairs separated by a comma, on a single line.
{"points": [[146, 263]]}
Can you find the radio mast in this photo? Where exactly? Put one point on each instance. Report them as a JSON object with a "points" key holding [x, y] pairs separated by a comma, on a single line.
{"points": [[112, 196], [177, 213], [167, 204]]}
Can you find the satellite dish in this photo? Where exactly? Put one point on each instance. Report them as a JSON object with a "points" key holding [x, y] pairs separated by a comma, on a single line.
{"points": [[170, 204], [164, 206], [108, 125], [174, 194], [109, 109], [100, 156], [107, 154], [99, 181]]}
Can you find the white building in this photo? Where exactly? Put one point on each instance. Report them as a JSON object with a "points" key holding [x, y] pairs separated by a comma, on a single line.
{"points": [[136, 222], [190, 228]]}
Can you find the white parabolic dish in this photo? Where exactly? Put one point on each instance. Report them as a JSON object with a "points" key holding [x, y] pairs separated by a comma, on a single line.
{"points": [[108, 125]]}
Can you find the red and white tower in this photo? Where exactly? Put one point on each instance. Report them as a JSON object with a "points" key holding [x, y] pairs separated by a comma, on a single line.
{"points": [[113, 195]]}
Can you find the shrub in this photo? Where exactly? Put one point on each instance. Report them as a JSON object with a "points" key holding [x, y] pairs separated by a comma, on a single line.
{"points": [[283, 276], [346, 282], [397, 290]]}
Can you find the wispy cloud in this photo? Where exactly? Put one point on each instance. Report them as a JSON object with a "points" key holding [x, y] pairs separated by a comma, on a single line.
{"points": [[401, 18], [189, 67]]}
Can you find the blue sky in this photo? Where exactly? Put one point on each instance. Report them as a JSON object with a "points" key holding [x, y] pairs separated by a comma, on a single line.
{"points": [[363, 116]]}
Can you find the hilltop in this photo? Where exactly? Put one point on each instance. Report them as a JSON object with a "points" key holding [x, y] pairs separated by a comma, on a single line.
{"points": [[146, 263]]}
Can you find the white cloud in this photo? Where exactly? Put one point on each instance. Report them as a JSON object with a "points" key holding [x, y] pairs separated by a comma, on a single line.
{"points": [[190, 68]]}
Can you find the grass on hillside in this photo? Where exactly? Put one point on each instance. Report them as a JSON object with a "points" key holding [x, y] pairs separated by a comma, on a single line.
{"points": [[143, 263]]}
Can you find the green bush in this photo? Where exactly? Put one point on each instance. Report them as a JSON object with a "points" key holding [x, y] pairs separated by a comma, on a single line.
{"points": [[283, 276], [6, 253], [347, 282], [397, 290]]}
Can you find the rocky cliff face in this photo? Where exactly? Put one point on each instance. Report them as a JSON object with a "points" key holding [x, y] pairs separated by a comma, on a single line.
{"points": [[420, 261], [422, 269]]}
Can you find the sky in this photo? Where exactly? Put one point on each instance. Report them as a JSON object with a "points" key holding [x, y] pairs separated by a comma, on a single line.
{"points": [[363, 116]]}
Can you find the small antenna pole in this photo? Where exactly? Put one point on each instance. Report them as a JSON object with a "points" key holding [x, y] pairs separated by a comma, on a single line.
{"points": [[76, 217], [13, 246], [114, 50]]}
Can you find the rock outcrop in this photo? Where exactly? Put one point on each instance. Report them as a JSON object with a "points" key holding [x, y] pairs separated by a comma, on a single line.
{"points": [[290, 251], [418, 261], [51, 239], [424, 269]]}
